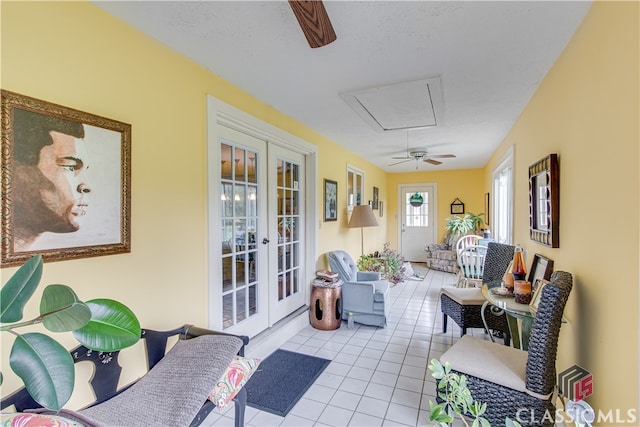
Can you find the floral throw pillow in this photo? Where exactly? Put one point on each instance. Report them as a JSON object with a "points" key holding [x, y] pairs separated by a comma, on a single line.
{"points": [[234, 378], [19, 419]]}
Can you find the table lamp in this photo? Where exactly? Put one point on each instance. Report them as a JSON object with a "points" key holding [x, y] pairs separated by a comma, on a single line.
{"points": [[362, 216]]}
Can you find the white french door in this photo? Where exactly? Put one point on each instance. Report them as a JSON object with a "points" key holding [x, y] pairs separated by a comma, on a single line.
{"points": [[241, 290], [261, 222], [262, 208], [286, 246], [417, 219]]}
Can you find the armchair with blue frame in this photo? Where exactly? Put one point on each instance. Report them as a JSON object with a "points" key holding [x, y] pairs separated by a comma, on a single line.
{"points": [[365, 296]]}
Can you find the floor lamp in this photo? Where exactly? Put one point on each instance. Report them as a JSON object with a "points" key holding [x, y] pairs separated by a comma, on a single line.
{"points": [[362, 216]]}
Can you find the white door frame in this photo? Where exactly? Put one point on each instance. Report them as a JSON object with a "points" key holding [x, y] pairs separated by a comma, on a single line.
{"points": [[220, 113], [433, 206]]}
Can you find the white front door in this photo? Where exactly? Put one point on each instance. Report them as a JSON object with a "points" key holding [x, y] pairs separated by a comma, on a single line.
{"points": [[417, 222]]}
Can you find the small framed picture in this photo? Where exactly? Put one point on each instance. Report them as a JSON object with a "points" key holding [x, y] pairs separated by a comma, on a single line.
{"points": [[330, 200], [457, 207], [374, 205], [538, 285], [541, 268], [381, 209], [487, 208]]}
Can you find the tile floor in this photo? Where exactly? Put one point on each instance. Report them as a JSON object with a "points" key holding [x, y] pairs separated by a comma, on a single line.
{"points": [[378, 376]]}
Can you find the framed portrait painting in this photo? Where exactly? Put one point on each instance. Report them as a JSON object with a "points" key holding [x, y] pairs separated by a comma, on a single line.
{"points": [[330, 200], [66, 179]]}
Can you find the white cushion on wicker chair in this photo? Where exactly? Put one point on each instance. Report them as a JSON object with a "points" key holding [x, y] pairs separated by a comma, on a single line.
{"points": [[499, 364], [465, 296]]}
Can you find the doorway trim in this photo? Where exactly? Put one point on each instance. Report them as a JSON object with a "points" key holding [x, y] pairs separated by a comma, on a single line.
{"points": [[219, 114], [401, 188]]}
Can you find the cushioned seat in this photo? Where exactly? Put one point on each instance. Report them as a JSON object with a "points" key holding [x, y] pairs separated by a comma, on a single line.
{"points": [[515, 383], [365, 298], [464, 305]]}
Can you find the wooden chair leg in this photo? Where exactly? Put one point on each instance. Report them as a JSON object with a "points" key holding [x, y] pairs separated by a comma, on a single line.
{"points": [[444, 323]]}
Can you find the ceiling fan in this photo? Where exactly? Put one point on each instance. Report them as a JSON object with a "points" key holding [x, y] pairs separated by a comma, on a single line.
{"points": [[418, 155], [314, 21]]}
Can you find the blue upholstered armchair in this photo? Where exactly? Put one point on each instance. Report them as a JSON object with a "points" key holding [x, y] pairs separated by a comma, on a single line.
{"points": [[365, 297]]}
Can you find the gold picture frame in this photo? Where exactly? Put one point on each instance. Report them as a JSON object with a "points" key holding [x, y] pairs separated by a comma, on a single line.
{"points": [[537, 294], [66, 182]]}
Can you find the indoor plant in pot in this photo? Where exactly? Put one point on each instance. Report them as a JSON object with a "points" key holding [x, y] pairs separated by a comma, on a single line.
{"points": [[45, 367], [461, 225]]}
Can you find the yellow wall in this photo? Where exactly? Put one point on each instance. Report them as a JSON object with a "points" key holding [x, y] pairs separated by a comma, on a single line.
{"points": [[466, 185], [76, 55], [587, 111], [335, 234]]}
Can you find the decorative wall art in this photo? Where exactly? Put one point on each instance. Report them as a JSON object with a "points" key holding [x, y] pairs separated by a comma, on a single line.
{"points": [[330, 200], [375, 198], [544, 202], [457, 207], [416, 200], [487, 208], [66, 178]]}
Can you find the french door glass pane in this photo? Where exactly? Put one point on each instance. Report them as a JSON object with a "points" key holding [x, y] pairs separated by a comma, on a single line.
{"points": [[239, 199], [288, 196]]}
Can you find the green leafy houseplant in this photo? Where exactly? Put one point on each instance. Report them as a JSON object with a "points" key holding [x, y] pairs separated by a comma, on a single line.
{"points": [[389, 261], [476, 221], [461, 225], [45, 367], [453, 390]]}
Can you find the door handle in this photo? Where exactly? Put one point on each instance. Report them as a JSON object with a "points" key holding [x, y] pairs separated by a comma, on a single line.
{"points": [[265, 241]]}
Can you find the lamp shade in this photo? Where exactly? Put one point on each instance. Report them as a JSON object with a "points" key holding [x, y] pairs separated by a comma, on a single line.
{"points": [[362, 216]]}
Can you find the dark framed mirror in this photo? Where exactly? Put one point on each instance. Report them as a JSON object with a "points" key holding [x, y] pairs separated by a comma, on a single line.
{"points": [[544, 201]]}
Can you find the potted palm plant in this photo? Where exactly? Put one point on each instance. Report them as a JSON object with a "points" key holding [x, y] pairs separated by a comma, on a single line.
{"points": [[45, 367]]}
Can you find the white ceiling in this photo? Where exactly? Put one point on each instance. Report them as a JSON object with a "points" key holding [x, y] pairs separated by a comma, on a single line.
{"points": [[489, 56]]}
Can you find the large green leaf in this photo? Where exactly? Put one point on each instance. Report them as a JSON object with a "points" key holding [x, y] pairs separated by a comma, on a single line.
{"points": [[113, 326], [19, 288], [61, 310], [45, 367]]}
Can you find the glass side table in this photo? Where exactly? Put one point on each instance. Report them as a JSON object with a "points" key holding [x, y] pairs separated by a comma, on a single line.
{"points": [[514, 311]]}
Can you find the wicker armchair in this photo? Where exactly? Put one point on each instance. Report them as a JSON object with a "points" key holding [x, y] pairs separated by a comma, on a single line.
{"points": [[515, 383], [464, 305]]}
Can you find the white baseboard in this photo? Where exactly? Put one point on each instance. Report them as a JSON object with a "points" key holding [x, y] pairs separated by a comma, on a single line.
{"points": [[273, 338]]}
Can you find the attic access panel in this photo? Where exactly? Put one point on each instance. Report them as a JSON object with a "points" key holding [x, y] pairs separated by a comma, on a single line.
{"points": [[412, 105]]}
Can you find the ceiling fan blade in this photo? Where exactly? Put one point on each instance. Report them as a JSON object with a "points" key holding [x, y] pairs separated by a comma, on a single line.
{"points": [[405, 158], [397, 163], [442, 156], [433, 162], [314, 21]]}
